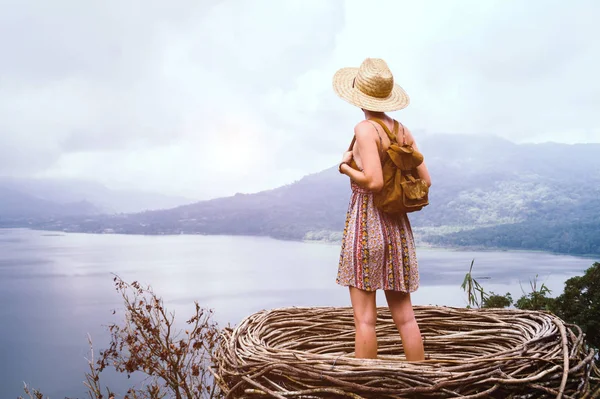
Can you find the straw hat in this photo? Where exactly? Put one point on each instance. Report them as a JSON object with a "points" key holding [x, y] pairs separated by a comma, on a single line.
{"points": [[370, 86]]}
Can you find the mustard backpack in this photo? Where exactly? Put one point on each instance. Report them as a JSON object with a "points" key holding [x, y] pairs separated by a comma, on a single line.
{"points": [[403, 190]]}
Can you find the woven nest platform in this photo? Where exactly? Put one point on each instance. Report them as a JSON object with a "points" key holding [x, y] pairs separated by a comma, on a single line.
{"points": [[478, 353]]}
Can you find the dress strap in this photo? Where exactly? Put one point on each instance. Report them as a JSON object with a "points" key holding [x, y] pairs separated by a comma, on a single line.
{"points": [[377, 130], [380, 140], [391, 136]]}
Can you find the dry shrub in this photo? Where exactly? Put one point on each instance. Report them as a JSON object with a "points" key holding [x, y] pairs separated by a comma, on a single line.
{"points": [[177, 363]]}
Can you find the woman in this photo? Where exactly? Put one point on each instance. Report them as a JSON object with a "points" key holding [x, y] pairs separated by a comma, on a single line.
{"points": [[378, 250]]}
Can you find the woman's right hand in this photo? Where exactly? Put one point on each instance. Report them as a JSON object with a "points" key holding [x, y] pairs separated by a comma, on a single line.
{"points": [[347, 157]]}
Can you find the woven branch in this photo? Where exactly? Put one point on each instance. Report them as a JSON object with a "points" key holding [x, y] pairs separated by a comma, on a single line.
{"points": [[470, 353]]}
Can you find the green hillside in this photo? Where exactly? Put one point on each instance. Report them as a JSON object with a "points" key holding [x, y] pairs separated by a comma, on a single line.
{"points": [[487, 192]]}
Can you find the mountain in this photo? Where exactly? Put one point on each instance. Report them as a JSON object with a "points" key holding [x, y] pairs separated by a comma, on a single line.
{"points": [[315, 203], [15, 205], [489, 181], [486, 191], [504, 195], [66, 191]]}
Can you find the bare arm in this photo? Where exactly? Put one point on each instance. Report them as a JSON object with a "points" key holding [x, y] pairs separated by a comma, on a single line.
{"points": [[371, 177], [422, 169]]}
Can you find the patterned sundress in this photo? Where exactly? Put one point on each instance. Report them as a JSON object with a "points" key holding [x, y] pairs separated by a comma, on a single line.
{"points": [[378, 249]]}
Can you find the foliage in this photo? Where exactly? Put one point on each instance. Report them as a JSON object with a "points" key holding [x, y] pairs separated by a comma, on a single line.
{"points": [[177, 363], [569, 237], [580, 303], [537, 298], [497, 301], [476, 296]]}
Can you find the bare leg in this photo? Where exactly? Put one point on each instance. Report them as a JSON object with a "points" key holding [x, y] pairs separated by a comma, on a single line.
{"points": [[365, 317], [404, 318]]}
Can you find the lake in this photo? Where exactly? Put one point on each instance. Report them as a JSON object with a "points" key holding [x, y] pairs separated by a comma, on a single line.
{"points": [[56, 288]]}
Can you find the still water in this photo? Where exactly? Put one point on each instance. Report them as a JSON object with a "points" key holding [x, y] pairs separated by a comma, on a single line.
{"points": [[57, 288]]}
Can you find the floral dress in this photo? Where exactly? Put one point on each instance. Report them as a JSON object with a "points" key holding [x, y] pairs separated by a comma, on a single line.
{"points": [[378, 249]]}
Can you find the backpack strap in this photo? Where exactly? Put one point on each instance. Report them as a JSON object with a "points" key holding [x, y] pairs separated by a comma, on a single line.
{"points": [[403, 131], [390, 135], [352, 143]]}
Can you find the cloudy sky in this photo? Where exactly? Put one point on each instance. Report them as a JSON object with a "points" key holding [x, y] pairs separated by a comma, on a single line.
{"points": [[208, 98]]}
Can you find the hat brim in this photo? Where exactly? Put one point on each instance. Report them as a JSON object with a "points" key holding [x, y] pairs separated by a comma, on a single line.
{"points": [[342, 85]]}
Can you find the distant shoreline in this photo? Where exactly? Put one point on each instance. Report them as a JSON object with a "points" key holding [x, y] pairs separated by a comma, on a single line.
{"points": [[422, 245]]}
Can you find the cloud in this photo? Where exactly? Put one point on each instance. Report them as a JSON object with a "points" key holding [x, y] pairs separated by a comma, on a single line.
{"points": [[215, 97], [511, 68]]}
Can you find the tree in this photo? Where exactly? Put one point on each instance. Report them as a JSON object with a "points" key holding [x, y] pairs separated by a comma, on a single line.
{"points": [[580, 303]]}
